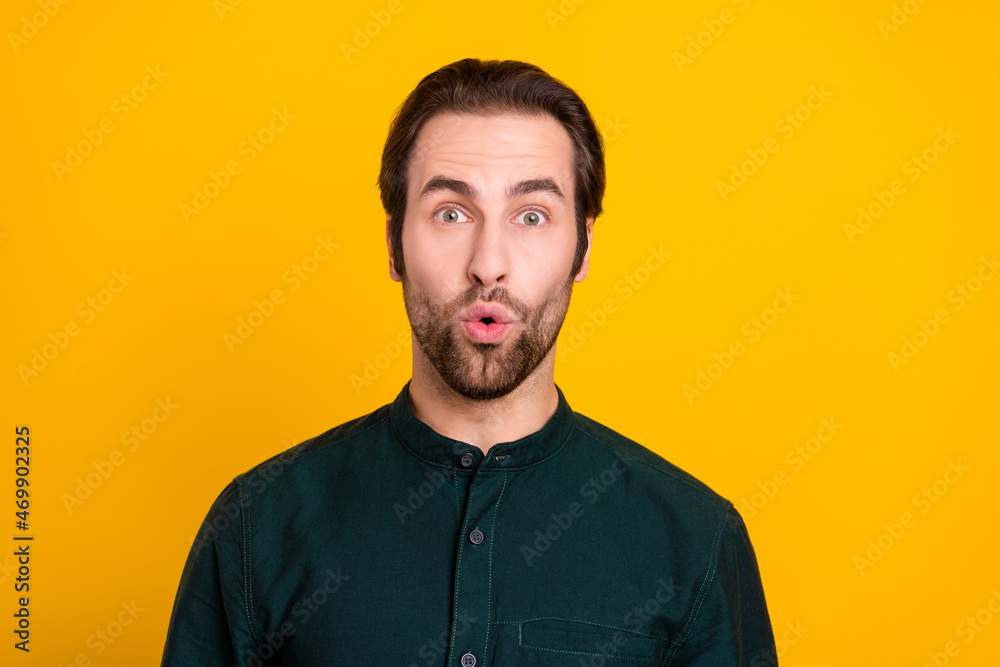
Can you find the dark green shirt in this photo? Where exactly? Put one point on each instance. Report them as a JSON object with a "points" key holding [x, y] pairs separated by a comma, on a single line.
{"points": [[383, 542]]}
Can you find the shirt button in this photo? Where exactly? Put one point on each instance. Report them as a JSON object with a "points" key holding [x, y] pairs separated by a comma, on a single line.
{"points": [[467, 460], [476, 537], [468, 660]]}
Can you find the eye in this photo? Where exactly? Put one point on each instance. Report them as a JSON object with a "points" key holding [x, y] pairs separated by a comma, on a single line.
{"points": [[451, 215], [531, 217]]}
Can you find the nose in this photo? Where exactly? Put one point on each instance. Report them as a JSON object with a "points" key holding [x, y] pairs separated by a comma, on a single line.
{"points": [[490, 261]]}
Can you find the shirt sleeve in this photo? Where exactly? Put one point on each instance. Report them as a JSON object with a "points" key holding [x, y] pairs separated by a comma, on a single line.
{"points": [[209, 626], [731, 626]]}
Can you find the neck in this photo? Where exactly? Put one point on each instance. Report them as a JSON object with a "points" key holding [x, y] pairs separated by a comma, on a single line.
{"points": [[483, 423]]}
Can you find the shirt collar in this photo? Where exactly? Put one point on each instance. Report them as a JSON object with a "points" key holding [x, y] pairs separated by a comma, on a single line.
{"points": [[431, 446]]}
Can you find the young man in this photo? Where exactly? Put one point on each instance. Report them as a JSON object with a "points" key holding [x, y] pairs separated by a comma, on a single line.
{"points": [[476, 519]]}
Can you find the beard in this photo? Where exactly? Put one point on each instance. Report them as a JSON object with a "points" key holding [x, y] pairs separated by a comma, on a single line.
{"points": [[485, 371]]}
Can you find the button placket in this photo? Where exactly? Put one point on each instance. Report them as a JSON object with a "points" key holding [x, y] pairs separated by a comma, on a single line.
{"points": [[474, 578]]}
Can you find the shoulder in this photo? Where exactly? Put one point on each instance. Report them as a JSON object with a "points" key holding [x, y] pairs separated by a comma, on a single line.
{"points": [[331, 443], [658, 471]]}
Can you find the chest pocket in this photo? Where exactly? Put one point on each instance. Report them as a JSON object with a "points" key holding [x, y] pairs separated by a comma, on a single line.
{"points": [[589, 643]]}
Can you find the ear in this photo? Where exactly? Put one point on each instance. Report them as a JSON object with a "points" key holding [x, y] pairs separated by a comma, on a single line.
{"points": [[392, 260], [585, 266]]}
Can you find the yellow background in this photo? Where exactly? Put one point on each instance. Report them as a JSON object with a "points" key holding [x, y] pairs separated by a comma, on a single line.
{"points": [[674, 130]]}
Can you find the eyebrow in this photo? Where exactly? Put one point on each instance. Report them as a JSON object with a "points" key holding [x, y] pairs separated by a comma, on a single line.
{"points": [[519, 189]]}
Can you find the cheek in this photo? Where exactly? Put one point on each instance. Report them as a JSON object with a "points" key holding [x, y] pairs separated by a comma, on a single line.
{"points": [[433, 265], [419, 246], [549, 258], [540, 278]]}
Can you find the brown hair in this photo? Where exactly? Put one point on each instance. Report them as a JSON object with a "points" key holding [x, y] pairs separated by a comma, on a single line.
{"points": [[488, 87]]}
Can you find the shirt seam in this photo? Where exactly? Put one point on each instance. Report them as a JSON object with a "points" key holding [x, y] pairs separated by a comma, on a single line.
{"points": [[712, 496], [285, 461], [713, 565], [246, 546], [402, 442], [554, 452], [458, 501], [458, 576], [627, 631], [489, 589], [521, 642]]}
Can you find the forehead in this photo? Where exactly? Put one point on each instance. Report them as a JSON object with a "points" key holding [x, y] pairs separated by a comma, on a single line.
{"points": [[491, 148]]}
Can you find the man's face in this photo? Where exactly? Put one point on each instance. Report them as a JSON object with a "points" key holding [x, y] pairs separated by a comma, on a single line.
{"points": [[490, 224]]}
